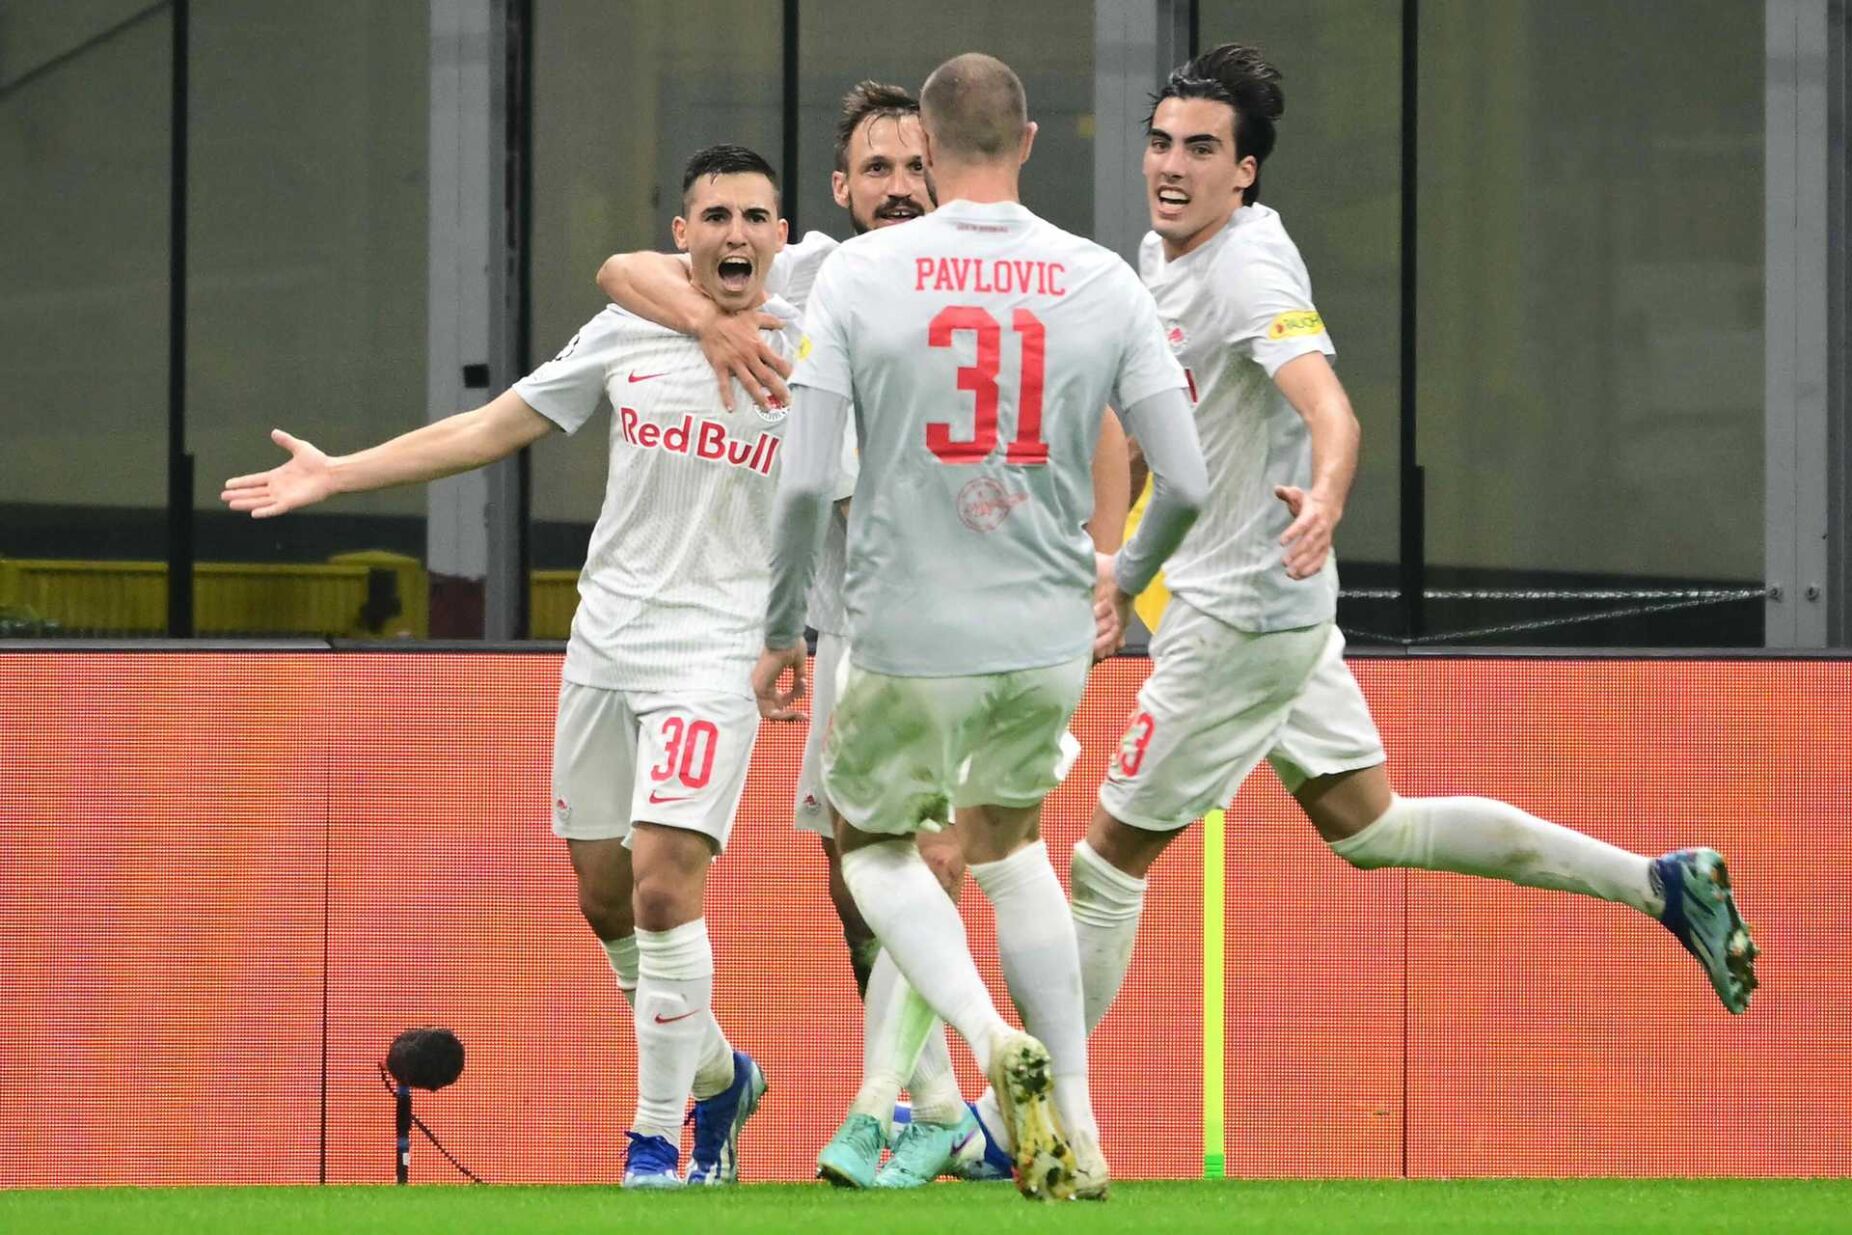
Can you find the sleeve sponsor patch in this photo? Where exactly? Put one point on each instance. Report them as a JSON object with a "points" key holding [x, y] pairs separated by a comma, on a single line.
{"points": [[803, 347], [1296, 325]]}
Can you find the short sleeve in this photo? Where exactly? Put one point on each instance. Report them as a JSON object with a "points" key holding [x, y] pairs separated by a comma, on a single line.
{"points": [[1271, 315], [823, 352], [1147, 366], [567, 388], [794, 270]]}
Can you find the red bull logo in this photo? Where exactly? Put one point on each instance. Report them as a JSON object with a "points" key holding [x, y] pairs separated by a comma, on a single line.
{"points": [[701, 437]]}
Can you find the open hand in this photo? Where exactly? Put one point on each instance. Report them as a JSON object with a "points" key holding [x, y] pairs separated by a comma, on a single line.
{"points": [[303, 481], [1308, 538], [734, 346]]}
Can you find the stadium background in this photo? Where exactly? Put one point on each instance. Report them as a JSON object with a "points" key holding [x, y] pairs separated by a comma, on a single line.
{"points": [[228, 874]]}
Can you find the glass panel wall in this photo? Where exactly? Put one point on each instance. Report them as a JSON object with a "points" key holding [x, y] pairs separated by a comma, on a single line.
{"points": [[623, 94], [84, 148], [1589, 311]]}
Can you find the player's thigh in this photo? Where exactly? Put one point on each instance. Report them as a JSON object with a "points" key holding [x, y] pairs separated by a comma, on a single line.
{"points": [[1329, 729], [811, 811], [1020, 751], [890, 759], [1206, 716], [693, 752], [594, 763]]}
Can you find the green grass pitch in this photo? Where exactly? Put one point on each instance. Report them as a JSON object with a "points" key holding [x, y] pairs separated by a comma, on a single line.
{"points": [[1683, 1206]]}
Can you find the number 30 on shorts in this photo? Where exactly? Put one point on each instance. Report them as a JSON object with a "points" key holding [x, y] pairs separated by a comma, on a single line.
{"points": [[687, 752], [1132, 746]]}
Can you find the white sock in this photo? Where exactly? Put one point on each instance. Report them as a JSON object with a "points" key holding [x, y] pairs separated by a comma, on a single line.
{"points": [[895, 1025], [1107, 905], [1480, 836], [674, 1019], [1041, 964], [622, 953], [910, 914], [933, 1085]]}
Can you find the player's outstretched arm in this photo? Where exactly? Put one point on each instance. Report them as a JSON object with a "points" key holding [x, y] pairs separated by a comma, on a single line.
{"points": [[1312, 387], [657, 286], [443, 448]]}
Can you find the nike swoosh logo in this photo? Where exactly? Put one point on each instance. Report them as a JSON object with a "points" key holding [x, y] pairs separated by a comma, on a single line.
{"points": [[645, 377], [670, 1020], [656, 799]]}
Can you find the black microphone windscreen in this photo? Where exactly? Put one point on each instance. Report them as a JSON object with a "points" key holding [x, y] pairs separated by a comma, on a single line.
{"points": [[425, 1058]]}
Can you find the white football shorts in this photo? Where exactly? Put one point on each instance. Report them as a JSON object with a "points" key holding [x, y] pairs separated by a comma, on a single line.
{"points": [[904, 751], [811, 812], [675, 759], [1218, 701]]}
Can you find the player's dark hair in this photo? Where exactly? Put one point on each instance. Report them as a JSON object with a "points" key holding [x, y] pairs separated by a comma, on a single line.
{"points": [[1239, 76], [975, 107], [725, 160], [865, 99]]}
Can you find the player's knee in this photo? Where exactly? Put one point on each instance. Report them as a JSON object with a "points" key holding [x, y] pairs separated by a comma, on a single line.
{"points": [[663, 902], [1390, 840], [607, 913]]}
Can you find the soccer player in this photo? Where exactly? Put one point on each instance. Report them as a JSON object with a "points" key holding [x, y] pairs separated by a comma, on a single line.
{"points": [[1247, 661], [970, 582], [880, 179], [656, 718]]}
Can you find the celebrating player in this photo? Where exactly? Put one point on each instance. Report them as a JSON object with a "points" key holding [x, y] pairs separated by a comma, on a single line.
{"points": [[880, 178], [656, 721], [1247, 661], [969, 580]]}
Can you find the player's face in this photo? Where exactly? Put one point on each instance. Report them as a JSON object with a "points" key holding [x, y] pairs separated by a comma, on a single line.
{"points": [[730, 232], [1193, 181], [886, 182]]}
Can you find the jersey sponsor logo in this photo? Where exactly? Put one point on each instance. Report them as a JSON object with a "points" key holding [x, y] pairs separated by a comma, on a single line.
{"points": [[644, 377], [984, 504], [1001, 275], [771, 414], [703, 438], [1296, 325]]}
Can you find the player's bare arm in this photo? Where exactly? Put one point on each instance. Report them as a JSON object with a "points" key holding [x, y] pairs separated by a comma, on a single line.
{"points": [[445, 447], [1112, 500], [1312, 387], [660, 287]]}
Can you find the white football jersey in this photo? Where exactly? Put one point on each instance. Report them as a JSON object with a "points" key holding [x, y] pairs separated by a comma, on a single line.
{"points": [[674, 588], [793, 274], [1235, 310], [980, 346]]}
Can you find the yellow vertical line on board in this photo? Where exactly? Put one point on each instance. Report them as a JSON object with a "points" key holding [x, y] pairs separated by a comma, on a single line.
{"points": [[1215, 875]]}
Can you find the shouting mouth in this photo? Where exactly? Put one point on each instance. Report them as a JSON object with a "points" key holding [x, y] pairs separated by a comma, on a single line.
{"points": [[735, 273], [1169, 202]]}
